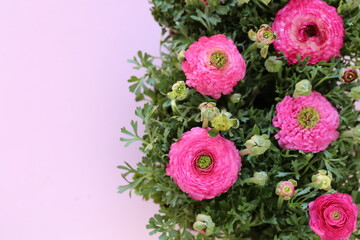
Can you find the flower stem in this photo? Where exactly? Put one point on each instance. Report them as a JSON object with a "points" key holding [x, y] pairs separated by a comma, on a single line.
{"points": [[245, 152], [205, 123], [280, 202]]}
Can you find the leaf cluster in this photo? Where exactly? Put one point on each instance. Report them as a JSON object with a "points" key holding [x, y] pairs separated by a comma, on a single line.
{"points": [[246, 211]]}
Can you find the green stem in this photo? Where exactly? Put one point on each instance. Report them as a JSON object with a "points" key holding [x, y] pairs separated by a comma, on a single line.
{"points": [[280, 202], [205, 123], [348, 133], [245, 152]]}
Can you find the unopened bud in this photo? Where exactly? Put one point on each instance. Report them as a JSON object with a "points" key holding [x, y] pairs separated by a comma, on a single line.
{"points": [[302, 88], [179, 91], [235, 98], [208, 110], [204, 224], [260, 178], [272, 64], [258, 144], [322, 180], [355, 93]]}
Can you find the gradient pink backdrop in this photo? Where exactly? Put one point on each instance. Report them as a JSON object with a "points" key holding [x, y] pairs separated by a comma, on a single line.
{"points": [[63, 99]]}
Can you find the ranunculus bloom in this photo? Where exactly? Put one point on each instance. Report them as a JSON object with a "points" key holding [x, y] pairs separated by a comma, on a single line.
{"points": [[309, 28], [286, 188], [203, 166], [349, 75], [333, 216], [213, 66], [307, 123]]}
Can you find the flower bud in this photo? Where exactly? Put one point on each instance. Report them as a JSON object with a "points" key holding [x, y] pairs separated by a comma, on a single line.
{"points": [[204, 224], [286, 189], [179, 91], [355, 93], [302, 88], [349, 75], [181, 55], [272, 64], [257, 144], [235, 98], [322, 180], [223, 122], [265, 36], [208, 110], [260, 178]]}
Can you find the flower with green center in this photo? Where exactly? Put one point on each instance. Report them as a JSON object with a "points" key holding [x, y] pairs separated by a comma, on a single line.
{"points": [[308, 117], [302, 88], [286, 189], [204, 224], [322, 180], [349, 75], [307, 123], [218, 59], [336, 215], [204, 161]]}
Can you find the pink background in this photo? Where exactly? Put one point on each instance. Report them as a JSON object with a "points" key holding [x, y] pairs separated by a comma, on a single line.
{"points": [[63, 99]]}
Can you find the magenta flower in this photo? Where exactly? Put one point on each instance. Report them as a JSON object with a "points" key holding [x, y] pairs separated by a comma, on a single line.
{"points": [[286, 189], [307, 123], [309, 28], [213, 66], [333, 216], [203, 166]]}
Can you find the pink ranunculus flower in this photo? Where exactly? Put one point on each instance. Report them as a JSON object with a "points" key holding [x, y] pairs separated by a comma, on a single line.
{"points": [[333, 216], [309, 28], [203, 166], [307, 123], [213, 66]]}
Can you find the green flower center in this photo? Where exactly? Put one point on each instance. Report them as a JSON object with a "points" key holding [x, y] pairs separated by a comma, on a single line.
{"points": [[308, 117], [287, 189], [268, 35], [311, 30], [218, 59], [204, 161], [336, 215]]}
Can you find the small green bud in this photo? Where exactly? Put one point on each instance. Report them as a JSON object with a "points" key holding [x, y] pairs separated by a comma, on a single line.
{"points": [[181, 56], [235, 98], [179, 91], [258, 144], [272, 64], [302, 88], [355, 93], [223, 121], [260, 178], [204, 224], [208, 111], [322, 180]]}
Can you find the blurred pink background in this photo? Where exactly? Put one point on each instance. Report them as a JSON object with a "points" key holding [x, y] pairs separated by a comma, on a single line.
{"points": [[63, 99]]}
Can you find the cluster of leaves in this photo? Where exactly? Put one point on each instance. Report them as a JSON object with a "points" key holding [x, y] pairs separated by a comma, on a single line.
{"points": [[246, 211]]}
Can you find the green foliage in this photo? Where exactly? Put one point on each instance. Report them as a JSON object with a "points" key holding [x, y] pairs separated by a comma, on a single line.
{"points": [[246, 211]]}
